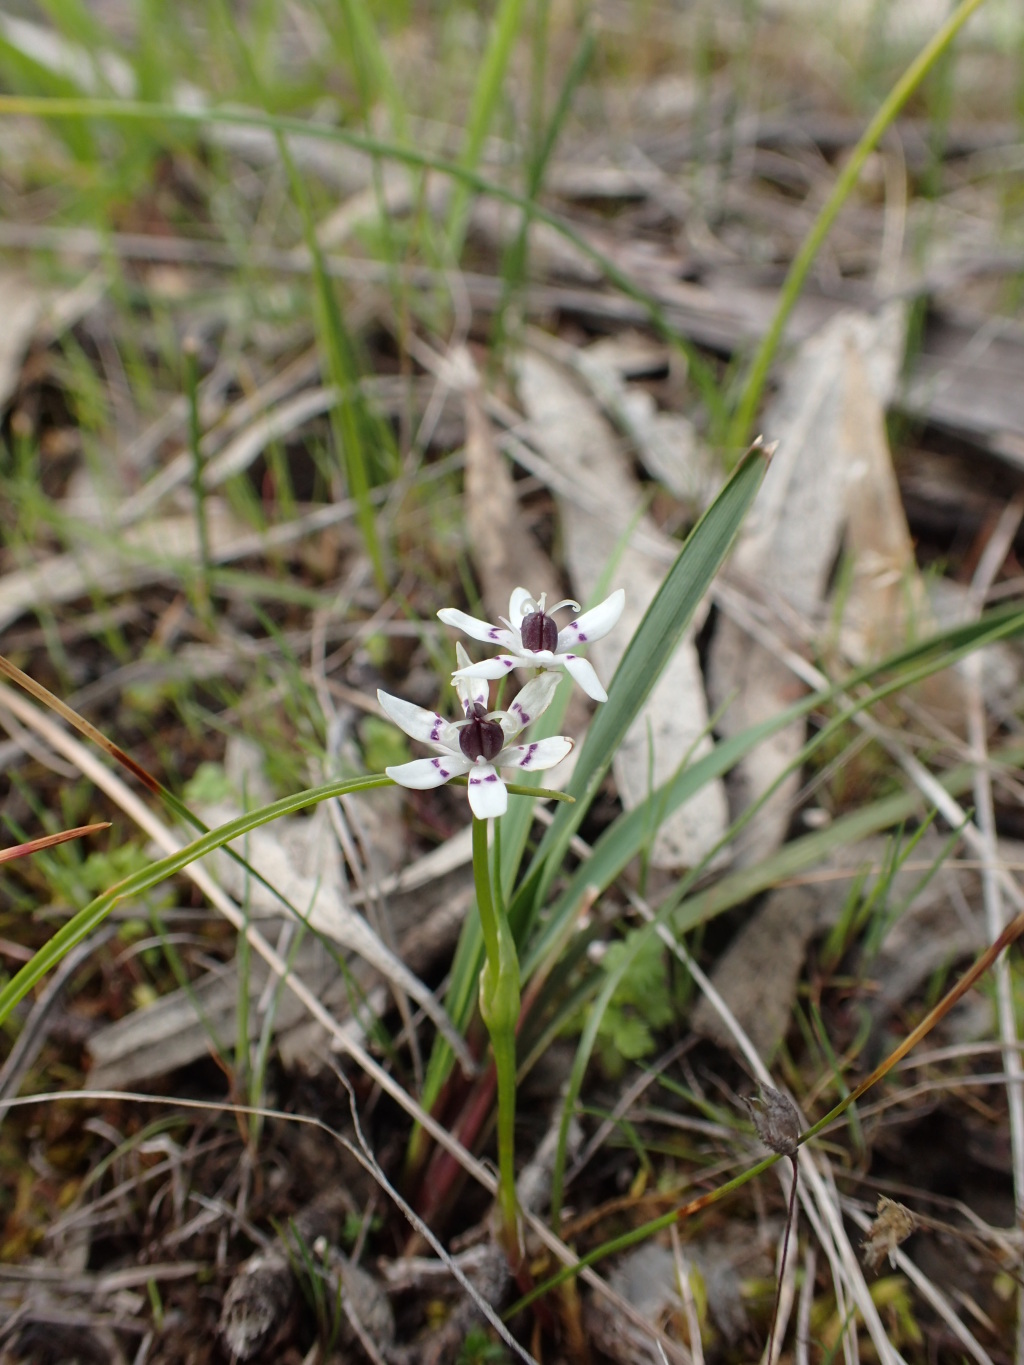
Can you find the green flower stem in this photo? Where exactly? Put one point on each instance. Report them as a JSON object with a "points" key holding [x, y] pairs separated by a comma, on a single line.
{"points": [[499, 1008]]}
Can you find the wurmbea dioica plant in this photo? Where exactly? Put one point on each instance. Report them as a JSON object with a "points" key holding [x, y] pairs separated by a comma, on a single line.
{"points": [[477, 747]]}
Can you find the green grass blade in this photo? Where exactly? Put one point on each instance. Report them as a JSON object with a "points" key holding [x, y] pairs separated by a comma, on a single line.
{"points": [[83, 923], [822, 225], [504, 32], [361, 438], [160, 116], [656, 637], [371, 69], [625, 838], [75, 130], [514, 265], [686, 912]]}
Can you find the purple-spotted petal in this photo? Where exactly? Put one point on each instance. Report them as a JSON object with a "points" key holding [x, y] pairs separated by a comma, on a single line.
{"points": [[593, 624], [532, 701], [582, 671], [423, 773], [475, 628], [418, 723], [498, 667], [487, 795], [542, 753]]}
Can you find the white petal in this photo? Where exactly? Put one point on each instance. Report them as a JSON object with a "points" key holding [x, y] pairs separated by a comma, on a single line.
{"points": [[593, 624], [475, 628], [521, 604], [532, 701], [542, 753], [470, 690], [423, 773], [583, 672], [487, 795], [418, 723], [498, 667]]}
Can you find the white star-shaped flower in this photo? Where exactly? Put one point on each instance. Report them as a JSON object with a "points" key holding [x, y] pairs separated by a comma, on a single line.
{"points": [[478, 745], [529, 638]]}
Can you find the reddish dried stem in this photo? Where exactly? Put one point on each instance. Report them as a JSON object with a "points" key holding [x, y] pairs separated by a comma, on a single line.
{"points": [[782, 1265]]}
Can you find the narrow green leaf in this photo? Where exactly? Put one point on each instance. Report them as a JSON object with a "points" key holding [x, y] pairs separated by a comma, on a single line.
{"points": [[514, 263], [83, 923], [507, 23], [624, 839], [160, 116], [656, 638], [361, 438], [685, 912], [847, 179]]}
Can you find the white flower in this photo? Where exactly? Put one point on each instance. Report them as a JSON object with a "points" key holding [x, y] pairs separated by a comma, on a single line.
{"points": [[478, 745], [531, 639]]}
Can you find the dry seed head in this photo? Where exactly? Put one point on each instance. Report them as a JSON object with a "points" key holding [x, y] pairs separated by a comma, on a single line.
{"points": [[776, 1119], [893, 1225]]}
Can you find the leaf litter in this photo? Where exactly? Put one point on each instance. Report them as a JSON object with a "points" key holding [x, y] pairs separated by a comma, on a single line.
{"points": [[829, 566]]}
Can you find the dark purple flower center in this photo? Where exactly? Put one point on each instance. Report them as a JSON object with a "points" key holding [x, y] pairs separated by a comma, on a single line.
{"points": [[538, 632], [481, 738]]}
